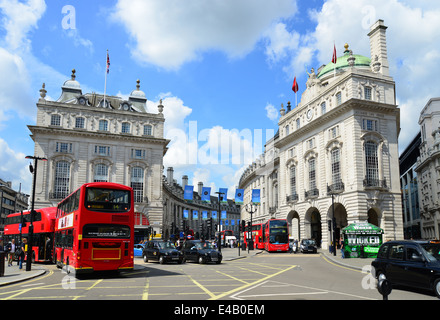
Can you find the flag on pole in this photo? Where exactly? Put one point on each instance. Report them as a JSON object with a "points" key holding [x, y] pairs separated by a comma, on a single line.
{"points": [[334, 58], [295, 85], [108, 63]]}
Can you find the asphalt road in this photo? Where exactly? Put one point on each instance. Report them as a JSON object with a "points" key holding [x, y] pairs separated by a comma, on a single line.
{"points": [[262, 277]]}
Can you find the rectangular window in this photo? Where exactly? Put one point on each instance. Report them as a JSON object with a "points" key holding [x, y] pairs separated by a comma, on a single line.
{"points": [[138, 154], [55, 120], [298, 123], [338, 98], [79, 123], [102, 150], [369, 124], [63, 147], [147, 130], [323, 108], [367, 93], [103, 125], [125, 127]]}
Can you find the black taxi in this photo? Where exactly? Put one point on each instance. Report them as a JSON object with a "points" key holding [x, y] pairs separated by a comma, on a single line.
{"points": [[201, 251], [162, 251], [409, 263]]}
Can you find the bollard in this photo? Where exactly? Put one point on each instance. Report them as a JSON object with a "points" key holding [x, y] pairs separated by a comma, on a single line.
{"points": [[384, 288]]}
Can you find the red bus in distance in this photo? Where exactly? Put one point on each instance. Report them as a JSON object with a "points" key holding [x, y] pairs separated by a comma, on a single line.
{"points": [[276, 235], [44, 227], [257, 236], [94, 229]]}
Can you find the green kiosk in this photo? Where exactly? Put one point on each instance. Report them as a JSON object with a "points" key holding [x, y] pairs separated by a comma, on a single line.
{"points": [[362, 240]]}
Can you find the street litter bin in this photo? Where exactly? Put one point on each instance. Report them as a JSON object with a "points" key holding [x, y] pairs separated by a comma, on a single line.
{"points": [[2, 263]]}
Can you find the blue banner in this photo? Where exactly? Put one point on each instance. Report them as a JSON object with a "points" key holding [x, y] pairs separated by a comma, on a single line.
{"points": [[195, 215], [256, 196], [214, 214], [188, 192], [239, 196], [206, 194], [185, 214], [205, 215], [223, 196], [223, 216]]}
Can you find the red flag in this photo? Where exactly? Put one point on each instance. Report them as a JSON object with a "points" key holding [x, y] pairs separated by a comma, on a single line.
{"points": [[108, 63], [334, 59], [295, 86]]}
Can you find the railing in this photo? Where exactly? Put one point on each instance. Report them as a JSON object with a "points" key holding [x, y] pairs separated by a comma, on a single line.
{"points": [[375, 183], [337, 187], [292, 197], [313, 193]]}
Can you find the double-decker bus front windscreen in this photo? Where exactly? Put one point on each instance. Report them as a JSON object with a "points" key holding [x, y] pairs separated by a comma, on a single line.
{"points": [[278, 232], [107, 200]]}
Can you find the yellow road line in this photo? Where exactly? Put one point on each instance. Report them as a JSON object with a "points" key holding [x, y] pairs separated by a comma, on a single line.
{"points": [[250, 284], [232, 277], [338, 265], [202, 287], [146, 289]]}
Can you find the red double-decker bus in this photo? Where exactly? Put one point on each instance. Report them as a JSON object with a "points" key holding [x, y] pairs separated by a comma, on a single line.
{"points": [[94, 228], [17, 227], [257, 236], [276, 235]]}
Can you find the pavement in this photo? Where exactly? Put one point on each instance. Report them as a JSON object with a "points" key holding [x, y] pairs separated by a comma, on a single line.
{"points": [[13, 274]]}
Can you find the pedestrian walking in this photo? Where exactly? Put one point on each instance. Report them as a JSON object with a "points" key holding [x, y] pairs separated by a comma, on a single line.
{"points": [[21, 253], [342, 250], [11, 252]]}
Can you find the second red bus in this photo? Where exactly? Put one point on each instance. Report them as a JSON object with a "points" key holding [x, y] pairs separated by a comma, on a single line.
{"points": [[276, 235], [44, 226]]}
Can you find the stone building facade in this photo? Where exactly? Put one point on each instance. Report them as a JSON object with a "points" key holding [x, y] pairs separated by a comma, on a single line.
{"points": [[89, 137], [338, 149], [427, 170]]}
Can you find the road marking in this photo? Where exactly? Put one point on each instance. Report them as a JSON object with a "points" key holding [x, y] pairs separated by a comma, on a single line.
{"points": [[232, 277], [201, 287], [95, 284], [338, 265], [250, 284], [146, 289]]}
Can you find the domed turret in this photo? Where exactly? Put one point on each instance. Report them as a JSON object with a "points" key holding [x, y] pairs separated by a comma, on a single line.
{"points": [[348, 60], [71, 89]]}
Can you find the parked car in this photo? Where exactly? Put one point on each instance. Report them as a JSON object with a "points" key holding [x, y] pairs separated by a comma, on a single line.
{"points": [[162, 251], [201, 251], [308, 245], [138, 248], [409, 263]]}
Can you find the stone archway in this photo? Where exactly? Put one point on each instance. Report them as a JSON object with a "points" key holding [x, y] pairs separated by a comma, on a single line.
{"points": [[341, 221], [294, 226], [312, 224], [373, 217]]}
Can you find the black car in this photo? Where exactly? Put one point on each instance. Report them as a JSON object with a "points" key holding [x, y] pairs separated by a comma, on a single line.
{"points": [[162, 251], [409, 263], [201, 252], [308, 245]]}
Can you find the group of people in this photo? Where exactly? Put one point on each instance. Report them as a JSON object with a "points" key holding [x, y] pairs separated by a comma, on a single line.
{"points": [[15, 251]]}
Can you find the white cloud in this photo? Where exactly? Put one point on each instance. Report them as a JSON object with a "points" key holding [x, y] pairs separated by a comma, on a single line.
{"points": [[170, 33], [272, 112], [20, 18], [13, 167]]}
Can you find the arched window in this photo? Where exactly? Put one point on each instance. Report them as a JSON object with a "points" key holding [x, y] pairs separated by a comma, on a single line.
{"points": [[371, 163], [312, 174], [336, 166], [137, 183], [62, 180], [293, 180], [101, 173]]}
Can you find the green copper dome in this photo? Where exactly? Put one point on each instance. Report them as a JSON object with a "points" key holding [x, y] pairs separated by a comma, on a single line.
{"points": [[342, 63]]}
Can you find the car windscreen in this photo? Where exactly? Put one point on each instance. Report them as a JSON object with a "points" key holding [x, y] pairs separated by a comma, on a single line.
{"points": [[204, 245], [432, 250], [166, 245]]}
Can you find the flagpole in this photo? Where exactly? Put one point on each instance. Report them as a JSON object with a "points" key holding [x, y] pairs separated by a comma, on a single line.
{"points": [[105, 83]]}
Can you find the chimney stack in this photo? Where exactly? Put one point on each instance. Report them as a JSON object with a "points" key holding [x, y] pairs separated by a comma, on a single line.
{"points": [[378, 46]]}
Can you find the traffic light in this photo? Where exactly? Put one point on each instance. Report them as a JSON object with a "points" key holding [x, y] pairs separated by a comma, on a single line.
{"points": [[243, 226]]}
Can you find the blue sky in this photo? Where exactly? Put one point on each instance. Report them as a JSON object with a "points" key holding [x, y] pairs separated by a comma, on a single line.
{"points": [[222, 66]]}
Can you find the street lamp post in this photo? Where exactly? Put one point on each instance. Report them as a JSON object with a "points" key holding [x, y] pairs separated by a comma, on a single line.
{"points": [[219, 241], [251, 208], [31, 226]]}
